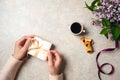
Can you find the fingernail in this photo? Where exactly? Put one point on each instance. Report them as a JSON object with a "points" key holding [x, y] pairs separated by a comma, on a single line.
{"points": [[29, 39], [32, 39], [49, 52]]}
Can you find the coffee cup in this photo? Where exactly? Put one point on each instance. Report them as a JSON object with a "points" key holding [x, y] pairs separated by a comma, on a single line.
{"points": [[76, 28]]}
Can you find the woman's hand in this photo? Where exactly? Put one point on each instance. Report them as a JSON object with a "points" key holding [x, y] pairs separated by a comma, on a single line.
{"points": [[54, 62], [21, 47]]}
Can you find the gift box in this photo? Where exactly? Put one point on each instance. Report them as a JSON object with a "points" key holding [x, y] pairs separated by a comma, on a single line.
{"points": [[39, 48]]}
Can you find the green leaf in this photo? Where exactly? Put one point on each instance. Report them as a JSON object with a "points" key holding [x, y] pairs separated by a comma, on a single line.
{"points": [[106, 35], [115, 31], [99, 3], [118, 38], [104, 31], [106, 22], [89, 7], [94, 3]]}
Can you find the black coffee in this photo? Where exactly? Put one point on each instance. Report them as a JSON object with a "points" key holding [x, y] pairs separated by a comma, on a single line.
{"points": [[76, 27]]}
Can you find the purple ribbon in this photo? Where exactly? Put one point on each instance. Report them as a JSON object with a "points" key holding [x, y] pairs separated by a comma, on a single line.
{"points": [[100, 67]]}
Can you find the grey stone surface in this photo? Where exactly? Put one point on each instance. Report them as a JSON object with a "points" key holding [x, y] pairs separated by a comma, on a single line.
{"points": [[51, 19]]}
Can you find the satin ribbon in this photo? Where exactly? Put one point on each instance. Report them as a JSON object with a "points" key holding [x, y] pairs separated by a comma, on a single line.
{"points": [[37, 48], [100, 67]]}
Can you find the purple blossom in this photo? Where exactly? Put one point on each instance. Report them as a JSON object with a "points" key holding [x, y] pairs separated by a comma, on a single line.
{"points": [[110, 10], [97, 23], [116, 1]]}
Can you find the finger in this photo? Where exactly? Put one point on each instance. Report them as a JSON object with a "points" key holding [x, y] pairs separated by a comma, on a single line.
{"points": [[50, 59], [30, 36], [21, 40], [24, 38], [56, 53], [27, 44], [57, 56]]}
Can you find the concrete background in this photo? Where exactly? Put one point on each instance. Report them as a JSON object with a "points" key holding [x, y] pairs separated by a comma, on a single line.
{"points": [[51, 19]]}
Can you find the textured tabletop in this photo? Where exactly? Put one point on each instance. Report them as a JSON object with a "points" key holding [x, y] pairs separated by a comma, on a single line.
{"points": [[51, 19]]}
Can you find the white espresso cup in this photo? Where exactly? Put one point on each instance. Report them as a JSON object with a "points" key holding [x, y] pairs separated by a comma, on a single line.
{"points": [[76, 28]]}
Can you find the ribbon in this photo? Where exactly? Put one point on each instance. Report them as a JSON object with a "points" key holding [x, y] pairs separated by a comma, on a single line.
{"points": [[37, 48], [100, 67]]}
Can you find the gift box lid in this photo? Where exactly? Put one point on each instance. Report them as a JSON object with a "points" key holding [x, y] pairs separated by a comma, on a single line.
{"points": [[39, 48]]}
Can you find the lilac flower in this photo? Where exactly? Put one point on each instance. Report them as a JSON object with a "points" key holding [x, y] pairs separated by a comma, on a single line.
{"points": [[97, 23], [110, 10], [116, 1]]}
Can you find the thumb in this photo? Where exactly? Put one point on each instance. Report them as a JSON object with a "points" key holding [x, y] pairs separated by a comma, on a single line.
{"points": [[50, 60]]}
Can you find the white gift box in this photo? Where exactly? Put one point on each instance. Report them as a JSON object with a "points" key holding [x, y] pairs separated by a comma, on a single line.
{"points": [[39, 48]]}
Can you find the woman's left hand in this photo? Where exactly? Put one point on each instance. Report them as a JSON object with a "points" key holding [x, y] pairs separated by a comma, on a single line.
{"points": [[21, 47]]}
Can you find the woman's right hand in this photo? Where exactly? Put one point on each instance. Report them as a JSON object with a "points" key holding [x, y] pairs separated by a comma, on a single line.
{"points": [[54, 62]]}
